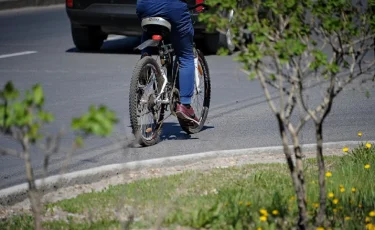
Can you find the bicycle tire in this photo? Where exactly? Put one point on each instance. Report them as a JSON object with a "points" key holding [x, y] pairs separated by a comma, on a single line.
{"points": [[133, 101], [207, 96]]}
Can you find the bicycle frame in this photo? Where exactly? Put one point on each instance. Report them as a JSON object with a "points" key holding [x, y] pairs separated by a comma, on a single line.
{"points": [[168, 60]]}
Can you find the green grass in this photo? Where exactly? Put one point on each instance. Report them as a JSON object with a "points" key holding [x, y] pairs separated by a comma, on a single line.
{"points": [[228, 198]]}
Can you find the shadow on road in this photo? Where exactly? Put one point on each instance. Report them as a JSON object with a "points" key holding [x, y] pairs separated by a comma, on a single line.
{"points": [[123, 45], [173, 131]]}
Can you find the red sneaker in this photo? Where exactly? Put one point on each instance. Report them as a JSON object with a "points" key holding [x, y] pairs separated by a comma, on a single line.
{"points": [[187, 114]]}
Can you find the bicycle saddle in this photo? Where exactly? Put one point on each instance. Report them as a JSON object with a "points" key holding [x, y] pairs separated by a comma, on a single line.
{"points": [[156, 26]]}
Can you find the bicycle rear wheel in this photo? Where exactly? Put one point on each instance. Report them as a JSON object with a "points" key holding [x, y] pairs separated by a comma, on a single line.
{"points": [[145, 115], [201, 97]]}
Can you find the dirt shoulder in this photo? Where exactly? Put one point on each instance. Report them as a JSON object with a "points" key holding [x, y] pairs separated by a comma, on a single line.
{"points": [[201, 165]]}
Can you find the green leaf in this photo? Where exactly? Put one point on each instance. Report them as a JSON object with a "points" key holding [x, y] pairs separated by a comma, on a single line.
{"points": [[9, 92], [97, 121], [252, 75], [46, 117], [28, 98], [76, 123], [222, 52], [38, 95], [3, 116], [272, 77], [320, 59], [333, 68], [33, 132], [79, 141]]}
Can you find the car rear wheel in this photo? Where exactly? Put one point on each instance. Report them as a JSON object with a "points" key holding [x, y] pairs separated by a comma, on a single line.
{"points": [[214, 42], [88, 38]]}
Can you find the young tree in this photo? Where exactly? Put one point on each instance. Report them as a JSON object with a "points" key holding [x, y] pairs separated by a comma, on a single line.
{"points": [[22, 121], [296, 43]]}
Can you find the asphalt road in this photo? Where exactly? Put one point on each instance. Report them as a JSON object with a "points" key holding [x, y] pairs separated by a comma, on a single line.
{"points": [[36, 47]]}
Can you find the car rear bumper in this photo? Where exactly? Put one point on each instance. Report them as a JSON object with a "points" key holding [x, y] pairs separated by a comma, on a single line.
{"points": [[115, 19]]}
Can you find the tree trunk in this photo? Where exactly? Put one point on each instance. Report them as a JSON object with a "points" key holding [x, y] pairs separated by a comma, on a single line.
{"points": [[33, 191], [322, 183], [300, 190], [296, 174]]}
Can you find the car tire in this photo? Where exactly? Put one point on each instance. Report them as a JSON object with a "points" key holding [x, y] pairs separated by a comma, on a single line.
{"points": [[213, 42], [87, 38]]}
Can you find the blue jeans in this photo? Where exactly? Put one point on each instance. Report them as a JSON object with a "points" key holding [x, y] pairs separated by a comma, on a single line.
{"points": [[182, 35]]}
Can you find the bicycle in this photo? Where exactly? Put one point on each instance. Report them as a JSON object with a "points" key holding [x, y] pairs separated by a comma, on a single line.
{"points": [[155, 87]]}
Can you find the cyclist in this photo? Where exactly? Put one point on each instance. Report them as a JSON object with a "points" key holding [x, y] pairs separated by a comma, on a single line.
{"points": [[182, 34]]}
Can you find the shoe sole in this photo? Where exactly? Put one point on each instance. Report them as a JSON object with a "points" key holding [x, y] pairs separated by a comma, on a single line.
{"points": [[186, 118]]}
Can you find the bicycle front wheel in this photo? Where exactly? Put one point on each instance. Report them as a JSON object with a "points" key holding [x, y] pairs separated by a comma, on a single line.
{"points": [[145, 115]]}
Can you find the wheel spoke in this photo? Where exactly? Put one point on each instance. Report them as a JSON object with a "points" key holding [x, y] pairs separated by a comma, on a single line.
{"points": [[148, 86]]}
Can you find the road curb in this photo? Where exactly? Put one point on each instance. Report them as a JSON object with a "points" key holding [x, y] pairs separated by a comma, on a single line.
{"points": [[18, 193], [17, 4]]}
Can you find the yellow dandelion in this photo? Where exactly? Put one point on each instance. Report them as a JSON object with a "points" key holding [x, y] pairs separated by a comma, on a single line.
{"points": [[240, 203], [248, 204], [348, 218], [370, 226], [331, 195], [319, 228], [328, 174], [334, 210], [354, 189], [342, 189], [335, 201], [263, 218], [316, 205], [275, 212], [359, 134], [259, 228], [345, 149], [367, 219], [368, 145], [367, 166], [372, 213], [263, 212]]}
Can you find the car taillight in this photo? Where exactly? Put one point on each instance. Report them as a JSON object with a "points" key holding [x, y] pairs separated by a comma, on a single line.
{"points": [[69, 3], [200, 8]]}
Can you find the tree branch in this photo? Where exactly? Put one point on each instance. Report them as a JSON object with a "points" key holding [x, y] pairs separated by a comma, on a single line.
{"points": [[353, 77], [290, 103], [266, 92], [11, 152]]}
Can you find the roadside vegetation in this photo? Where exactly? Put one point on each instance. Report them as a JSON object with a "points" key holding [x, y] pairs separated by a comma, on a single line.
{"points": [[22, 119], [295, 46], [259, 196]]}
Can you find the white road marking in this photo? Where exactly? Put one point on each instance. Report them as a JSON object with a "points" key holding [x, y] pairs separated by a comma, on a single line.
{"points": [[115, 37], [17, 54]]}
